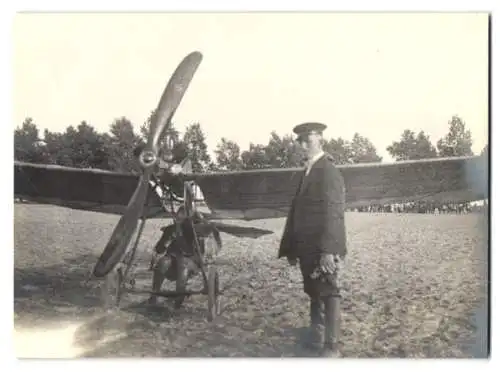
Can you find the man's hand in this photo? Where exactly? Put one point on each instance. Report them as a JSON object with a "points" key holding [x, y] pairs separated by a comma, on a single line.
{"points": [[292, 261], [328, 264]]}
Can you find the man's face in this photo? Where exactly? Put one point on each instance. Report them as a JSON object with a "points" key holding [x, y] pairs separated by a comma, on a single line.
{"points": [[310, 142]]}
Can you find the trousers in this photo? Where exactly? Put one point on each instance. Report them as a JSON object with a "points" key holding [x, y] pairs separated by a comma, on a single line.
{"points": [[324, 294]]}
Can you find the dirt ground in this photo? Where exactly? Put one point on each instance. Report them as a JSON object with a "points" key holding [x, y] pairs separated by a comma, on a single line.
{"points": [[413, 286]]}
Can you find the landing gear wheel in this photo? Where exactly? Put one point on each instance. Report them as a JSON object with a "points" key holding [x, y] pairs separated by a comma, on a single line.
{"points": [[213, 293]]}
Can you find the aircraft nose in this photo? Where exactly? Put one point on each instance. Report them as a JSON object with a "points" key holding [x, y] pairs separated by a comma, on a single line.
{"points": [[147, 159]]}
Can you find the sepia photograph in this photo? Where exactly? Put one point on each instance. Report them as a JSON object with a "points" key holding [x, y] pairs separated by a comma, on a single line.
{"points": [[251, 185]]}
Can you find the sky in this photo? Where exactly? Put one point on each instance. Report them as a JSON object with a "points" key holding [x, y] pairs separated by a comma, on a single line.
{"points": [[372, 73]]}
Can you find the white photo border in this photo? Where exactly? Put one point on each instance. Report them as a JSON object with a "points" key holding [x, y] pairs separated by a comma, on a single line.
{"points": [[7, 15]]}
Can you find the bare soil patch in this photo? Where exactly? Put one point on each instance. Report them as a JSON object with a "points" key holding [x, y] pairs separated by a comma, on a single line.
{"points": [[411, 285]]}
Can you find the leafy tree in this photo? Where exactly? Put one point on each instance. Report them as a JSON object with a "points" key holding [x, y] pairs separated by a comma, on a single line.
{"points": [[56, 148], [412, 147], [362, 150], [27, 144], [227, 155], [121, 144], [89, 147], [282, 152], [195, 141], [339, 149], [425, 148], [255, 157], [458, 141], [82, 147]]}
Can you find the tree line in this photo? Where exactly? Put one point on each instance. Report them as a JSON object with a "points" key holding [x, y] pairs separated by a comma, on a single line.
{"points": [[85, 147]]}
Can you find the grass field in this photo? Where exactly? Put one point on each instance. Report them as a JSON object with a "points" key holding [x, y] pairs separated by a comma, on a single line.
{"points": [[411, 285]]}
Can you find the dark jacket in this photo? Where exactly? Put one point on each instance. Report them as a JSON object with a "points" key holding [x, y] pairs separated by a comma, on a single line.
{"points": [[315, 222]]}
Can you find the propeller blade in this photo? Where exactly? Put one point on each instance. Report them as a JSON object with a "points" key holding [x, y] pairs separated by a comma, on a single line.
{"points": [[124, 230], [169, 102]]}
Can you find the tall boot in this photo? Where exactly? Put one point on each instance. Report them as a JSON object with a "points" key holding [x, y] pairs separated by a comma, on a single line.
{"points": [[332, 327], [315, 336]]}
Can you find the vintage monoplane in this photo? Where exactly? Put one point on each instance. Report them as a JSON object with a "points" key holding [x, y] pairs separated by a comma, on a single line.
{"points": [[191, 243]]}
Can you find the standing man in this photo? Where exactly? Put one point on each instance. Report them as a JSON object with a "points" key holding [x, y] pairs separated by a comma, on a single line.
{"points": [[315, 236]]}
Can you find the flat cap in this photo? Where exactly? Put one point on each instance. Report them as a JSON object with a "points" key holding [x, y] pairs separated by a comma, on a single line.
{"points": [[306, 128]]}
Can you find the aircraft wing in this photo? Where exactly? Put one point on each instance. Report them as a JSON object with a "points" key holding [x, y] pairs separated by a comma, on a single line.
{"points": [[87, 189], [259, 194], [268, 193]]}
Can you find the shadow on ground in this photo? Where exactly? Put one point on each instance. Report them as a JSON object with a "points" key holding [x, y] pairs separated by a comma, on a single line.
{"points": [[59, 293], [128, 333], [55, 293]]}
